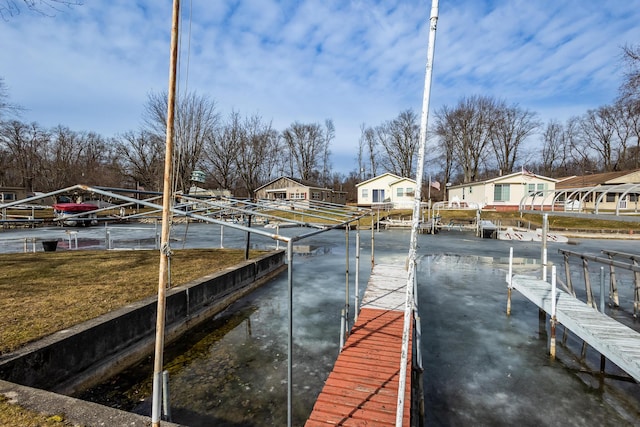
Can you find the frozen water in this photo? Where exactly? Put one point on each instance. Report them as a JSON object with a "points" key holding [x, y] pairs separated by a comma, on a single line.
{"points": [[481, 367]]}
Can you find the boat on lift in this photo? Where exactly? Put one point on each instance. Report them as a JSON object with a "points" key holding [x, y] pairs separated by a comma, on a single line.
{"points": [[76, 214]]}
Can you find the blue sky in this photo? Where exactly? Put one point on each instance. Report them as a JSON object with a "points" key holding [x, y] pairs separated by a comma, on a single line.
{"points": [[91, 67]]}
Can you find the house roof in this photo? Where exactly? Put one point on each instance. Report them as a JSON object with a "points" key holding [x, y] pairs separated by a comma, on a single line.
{"points": [[294, 180], [402, 179], [504, 177], [592, 180], [375, 178]]}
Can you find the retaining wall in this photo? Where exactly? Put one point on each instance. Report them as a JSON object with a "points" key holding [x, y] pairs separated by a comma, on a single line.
{"points": [[76, 358]]}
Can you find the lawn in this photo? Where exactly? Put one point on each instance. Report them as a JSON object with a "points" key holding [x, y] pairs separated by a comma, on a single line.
{"points": [[45, 292]]}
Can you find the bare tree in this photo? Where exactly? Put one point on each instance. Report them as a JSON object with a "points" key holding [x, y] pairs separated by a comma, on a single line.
{"points": [[509, 129], [195, 119], [27, 145], [597, 132], [368, 143], [142, 155], [10, 8], [307, 145], [221, 151], [630, 88], [256, 154], [400, 138], [467, 129], [6, 107], [329, 135]]}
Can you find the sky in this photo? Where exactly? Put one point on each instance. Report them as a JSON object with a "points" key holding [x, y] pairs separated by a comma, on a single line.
{"points": [[92, 67]]}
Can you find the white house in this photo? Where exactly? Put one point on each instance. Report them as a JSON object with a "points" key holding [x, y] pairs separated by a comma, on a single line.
{"points": [[388, 188], [503, 193]]}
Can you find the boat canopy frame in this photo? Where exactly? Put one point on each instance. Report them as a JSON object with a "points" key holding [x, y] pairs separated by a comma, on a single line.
{"points": [[567, 198]]}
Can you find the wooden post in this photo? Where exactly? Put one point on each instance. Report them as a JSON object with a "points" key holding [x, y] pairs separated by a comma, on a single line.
{"points": [[567, 273], [613, 285], [166, 219], [587, 283]]}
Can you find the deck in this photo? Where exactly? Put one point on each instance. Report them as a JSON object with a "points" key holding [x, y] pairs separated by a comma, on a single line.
{"points": [[617, 342], [362, 389]]}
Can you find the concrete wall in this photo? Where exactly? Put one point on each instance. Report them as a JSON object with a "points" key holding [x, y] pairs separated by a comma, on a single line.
{"points": [[80, 357]]}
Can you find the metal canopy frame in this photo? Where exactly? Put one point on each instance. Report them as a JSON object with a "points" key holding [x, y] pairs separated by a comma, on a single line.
{"points": [[536, 202], [322, 216]]}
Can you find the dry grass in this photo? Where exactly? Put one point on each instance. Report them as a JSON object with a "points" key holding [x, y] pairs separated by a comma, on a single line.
{"points": [[49, 291], [14, 415]]}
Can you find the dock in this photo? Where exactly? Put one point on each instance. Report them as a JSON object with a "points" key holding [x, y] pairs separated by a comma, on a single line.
{"points": [[615, 341], [362, 389]]}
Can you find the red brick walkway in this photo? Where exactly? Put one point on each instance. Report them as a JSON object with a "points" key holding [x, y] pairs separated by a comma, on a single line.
{"points": [[362, 389]]}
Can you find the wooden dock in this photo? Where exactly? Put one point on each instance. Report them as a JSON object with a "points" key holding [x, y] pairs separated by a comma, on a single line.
{"points": [[617, 342], [362, 389]]}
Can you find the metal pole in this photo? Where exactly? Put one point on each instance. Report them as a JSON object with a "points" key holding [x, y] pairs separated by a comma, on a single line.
{"points": [[552, 345], [246, 250], [166, 212], [372, 243], [545, 230], [346, 291], [290, 332], [357, 285], [602, 290], [166, 399], [221, 236], [406, 331], [509, 281]]}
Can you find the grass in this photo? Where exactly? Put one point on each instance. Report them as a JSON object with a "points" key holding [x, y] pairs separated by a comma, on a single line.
{"points": [[46, 292], [12, 415]]}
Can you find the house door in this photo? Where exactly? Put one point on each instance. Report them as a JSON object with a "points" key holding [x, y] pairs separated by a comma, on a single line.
{"points": [[378, 196]]}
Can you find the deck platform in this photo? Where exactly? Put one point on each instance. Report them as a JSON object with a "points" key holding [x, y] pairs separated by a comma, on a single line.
{"points": [[362, 389], [617, 342]]}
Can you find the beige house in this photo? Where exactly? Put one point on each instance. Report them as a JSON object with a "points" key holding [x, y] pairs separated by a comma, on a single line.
{"points": [[11, 194], [387, 189], [287, 188], [609, 191], [504, 193]]}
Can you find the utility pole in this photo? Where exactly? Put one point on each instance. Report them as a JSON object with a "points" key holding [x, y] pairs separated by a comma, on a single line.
{"points": [[165, 252]]}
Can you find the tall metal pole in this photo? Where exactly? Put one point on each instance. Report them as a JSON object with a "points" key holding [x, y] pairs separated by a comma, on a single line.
{"points": [[166, 218], [290, 333], [406, 332]]}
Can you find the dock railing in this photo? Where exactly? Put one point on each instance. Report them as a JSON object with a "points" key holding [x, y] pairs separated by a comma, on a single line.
{"points": [[613, 282]]}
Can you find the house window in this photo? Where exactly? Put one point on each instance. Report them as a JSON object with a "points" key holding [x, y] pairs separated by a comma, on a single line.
{"points": [[315, 195], [611, 197], [399, 191], [541, 186], [7, 197], [410, 192], [297, 196], [365, 193], [501, 193], [378, 196], [531, 188]]}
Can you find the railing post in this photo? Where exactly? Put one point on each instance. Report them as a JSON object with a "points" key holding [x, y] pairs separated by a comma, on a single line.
{"points": [[602, 290], [357, 284], [613, 285], [567, 273], [552, 342], [636, 293], [509, 281], [587, 283]]}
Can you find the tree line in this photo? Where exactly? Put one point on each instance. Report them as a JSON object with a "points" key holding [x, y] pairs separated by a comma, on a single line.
{"points": [[477, 138]]}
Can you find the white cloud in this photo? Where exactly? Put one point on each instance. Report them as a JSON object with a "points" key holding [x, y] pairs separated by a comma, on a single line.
{"points": [[355, 62]]}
